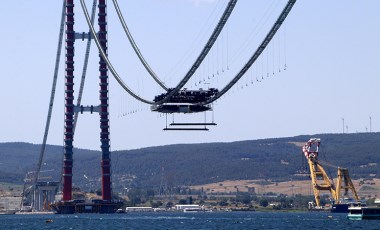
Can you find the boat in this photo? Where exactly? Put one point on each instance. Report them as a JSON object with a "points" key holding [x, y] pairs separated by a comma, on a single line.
{"points": [[189, 208], [364, 213], [339, 208], [192, 210], [82, 206], [344, 204], [139, 209]]}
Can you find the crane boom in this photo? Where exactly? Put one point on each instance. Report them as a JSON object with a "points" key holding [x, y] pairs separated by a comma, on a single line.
{"points": [[320, 179]]}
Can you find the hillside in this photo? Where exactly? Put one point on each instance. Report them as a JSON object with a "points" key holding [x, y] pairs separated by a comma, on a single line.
{"points": [[192, 164]]}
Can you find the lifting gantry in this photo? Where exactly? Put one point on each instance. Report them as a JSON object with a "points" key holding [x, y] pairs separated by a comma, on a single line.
{"points": [[320, 179]]}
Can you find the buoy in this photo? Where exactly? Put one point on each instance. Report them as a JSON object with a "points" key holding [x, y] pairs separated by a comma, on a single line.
{"points": [[49, 221]]}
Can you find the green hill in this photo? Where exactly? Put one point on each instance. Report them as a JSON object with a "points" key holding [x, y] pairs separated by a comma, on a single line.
{"points": [[190, 164]]}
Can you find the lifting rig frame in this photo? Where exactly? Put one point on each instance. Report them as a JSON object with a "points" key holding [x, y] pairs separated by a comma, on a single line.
{"points": [[320, 179], [343, 175]]}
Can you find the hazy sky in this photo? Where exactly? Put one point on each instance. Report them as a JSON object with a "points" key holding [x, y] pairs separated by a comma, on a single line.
{"points": [[331, 50]]}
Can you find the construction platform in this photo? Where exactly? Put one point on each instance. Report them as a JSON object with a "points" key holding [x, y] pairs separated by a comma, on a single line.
{"points": [[188, 96], [81, 206], [180, 108]]}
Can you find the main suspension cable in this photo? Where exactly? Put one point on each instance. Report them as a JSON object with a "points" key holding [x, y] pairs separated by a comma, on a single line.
{"points": [[135, 48], [52, 95], [204, 52], [104, 56], [195, 66], [258, 52]]}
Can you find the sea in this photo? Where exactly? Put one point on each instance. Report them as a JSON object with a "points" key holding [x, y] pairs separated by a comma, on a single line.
{"points": [[176, 220]]}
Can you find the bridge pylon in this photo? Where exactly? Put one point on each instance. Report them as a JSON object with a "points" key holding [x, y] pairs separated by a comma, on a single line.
{"points": [[106, 204]]}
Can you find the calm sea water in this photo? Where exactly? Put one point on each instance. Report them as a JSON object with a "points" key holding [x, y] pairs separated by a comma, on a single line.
{"points": [[164, 220]]}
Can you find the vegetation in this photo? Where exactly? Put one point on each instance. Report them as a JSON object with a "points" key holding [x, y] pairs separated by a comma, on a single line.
{"points": [[191, 164]]}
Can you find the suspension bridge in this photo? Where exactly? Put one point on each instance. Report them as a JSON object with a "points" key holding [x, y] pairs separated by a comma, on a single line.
{"points": [[174, 99]]}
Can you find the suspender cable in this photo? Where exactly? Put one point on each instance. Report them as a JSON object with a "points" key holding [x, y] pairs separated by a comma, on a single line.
{"points": [[258, 52], [203, 54], [135, 48], [206, 49], [192, 70]]}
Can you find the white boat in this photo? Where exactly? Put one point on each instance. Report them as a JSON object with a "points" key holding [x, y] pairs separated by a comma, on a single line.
{"points": [[362, 213], [189, 208], [192, 210], [139, 209]]}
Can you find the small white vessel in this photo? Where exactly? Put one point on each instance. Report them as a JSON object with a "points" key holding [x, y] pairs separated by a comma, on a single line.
{"points": [[361, 213]]}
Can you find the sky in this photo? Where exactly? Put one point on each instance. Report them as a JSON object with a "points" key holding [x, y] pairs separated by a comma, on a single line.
{"points": [[321, 67]]}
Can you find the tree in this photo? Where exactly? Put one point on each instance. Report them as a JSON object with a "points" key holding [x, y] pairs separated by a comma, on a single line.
{"points": [[223, 203], [134, 196], [156, 204], [264, 203], [98, 192], [182, 201], [169, 204], [244, 198], [149, 193]]}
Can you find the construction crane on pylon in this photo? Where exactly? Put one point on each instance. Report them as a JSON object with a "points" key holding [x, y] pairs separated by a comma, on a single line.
{"points": [[320, 179]]}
